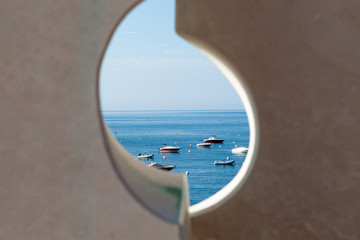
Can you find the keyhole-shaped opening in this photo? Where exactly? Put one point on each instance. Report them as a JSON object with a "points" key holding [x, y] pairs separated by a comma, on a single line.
{"points": [[158, 91]]}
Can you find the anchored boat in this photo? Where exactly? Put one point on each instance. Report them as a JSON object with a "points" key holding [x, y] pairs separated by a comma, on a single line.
{"points": [[225, 162], [231, 162], [169, 149], [145, 155], [203, 145], [162, 167], [238, 150], [213, 139]]}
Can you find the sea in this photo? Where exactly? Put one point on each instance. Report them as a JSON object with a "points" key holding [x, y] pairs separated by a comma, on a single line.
{"points": [[147, 131]]}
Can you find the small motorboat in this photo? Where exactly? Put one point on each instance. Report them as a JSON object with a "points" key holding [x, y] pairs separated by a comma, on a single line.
{"points": [[203, 145], [225, 162], [213, 139], [230, 162], [145, 155], [169, 149], [162, 167], [239, 150]]}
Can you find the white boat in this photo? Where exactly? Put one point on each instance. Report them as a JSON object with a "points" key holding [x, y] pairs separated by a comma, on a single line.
{"points": [[145, 155], [225, 162], [162, 167], [169, 149], [239, 150], [203, 145], [213, 139]]}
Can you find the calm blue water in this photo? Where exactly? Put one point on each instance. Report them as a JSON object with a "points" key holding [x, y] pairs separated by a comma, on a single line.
{"points": [[146, 131]]}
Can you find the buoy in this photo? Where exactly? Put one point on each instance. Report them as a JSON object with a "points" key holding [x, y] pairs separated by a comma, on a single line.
{"points": [[219, 146], [189, 151], [176, 132], [139, 138], [190, 145], [164, 157], [121, 142], [239, 134], [233, 142]]}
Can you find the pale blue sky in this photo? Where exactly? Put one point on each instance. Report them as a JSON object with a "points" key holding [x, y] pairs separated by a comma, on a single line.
{"points": [[147, 66]]}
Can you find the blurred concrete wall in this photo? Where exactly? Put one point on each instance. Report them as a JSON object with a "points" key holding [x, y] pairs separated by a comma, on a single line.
{"points": [[59, 171], [300, 62]]}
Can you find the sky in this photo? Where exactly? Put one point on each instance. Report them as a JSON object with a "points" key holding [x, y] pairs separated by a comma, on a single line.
{"points": [[147, 66]]}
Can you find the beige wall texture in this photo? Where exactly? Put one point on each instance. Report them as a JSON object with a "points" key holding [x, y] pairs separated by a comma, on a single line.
{"points": [[62, 176], [300, 62]]}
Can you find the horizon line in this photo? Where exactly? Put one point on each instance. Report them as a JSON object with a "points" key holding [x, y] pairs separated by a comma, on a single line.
{"points": [[114, 110]]}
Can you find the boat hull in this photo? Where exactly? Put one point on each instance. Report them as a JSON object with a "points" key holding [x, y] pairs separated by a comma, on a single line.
{"points": [[203, 145], [169, 149], [146, 156], [224, 163], [240, 150], [213, 140], [162, 167], [167, 168]]}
